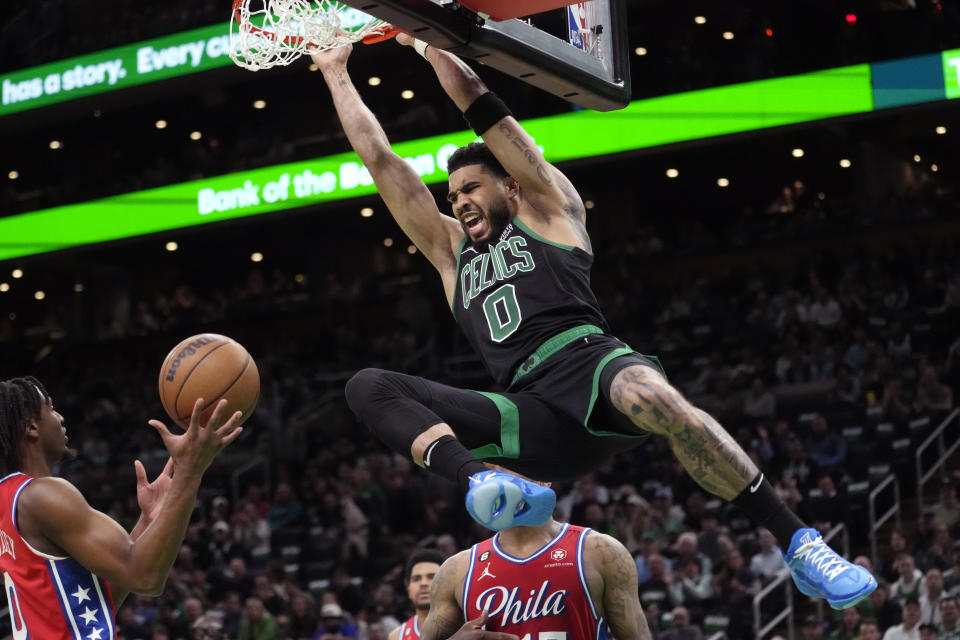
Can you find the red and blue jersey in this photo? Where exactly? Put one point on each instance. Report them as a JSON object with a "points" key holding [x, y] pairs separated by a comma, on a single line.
{"points": [[50, 597], [544, 596], [410, 630]]}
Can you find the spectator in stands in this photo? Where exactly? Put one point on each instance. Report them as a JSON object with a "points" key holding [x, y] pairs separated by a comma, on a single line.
{"points": [[207, 627], [286, 509], [768, 562], [269, 594], [656, 588], [691, 586], [758, 402], [666, 517], [826, 447], [932, 396], [896, 547], [949, 619], [258, 623], [882, 608], [349, 595], [682, 628], [250, 529], [930, 601], [735, 586], [892, 404], [812, 628], [825, 311], [827, 507], [939, 553], [302, 616], [800, 468], [858, 351], [947, 508], [849, 627], [910, 583], [847, 391], [869, 630], [908, 629], [332, 625], [928, 632]]}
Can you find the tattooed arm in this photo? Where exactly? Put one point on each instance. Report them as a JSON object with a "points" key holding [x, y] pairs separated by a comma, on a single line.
{"points": [[445, 615], [612, 575], [708, 453]]}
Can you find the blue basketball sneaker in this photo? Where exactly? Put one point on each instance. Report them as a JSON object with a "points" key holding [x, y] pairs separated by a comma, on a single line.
{"points": [[819, 572], [500, 500]]}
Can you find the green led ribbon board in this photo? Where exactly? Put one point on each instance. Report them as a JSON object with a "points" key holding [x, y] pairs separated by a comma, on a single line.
{"points": [[118, 68]]}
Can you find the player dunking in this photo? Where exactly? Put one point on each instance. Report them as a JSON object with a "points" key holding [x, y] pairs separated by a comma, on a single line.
{"points": [[515, 264], [553, 581], [422, 567], [67, 567]]}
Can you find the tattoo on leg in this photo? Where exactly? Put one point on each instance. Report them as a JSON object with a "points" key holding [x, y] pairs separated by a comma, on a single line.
{"points": [[706, 450]]}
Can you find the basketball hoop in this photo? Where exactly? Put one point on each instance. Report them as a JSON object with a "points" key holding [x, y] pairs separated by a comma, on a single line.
{"points": [[284, 30]]}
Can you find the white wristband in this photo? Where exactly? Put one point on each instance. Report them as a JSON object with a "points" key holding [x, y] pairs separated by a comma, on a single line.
{"points": [[421, 47]]}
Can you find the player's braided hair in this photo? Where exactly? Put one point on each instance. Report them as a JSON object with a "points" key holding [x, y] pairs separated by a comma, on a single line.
{"points": [[476, 153], [19, 404], [422, 555]]}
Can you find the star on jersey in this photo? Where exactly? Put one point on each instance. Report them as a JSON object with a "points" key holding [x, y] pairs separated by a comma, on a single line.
{"points": [[81, 594], [95, 634], [89, 616]]}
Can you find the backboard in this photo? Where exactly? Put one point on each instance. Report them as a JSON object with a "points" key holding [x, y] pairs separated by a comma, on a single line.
{"points": [[589, 68]]}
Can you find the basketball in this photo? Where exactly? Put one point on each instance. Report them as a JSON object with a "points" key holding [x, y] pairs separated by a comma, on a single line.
{"points": [[208, 366]]}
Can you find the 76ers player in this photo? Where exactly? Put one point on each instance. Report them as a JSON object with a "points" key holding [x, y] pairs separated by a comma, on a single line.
{"points": [[550, 582], [67, 567], [422, 567]]}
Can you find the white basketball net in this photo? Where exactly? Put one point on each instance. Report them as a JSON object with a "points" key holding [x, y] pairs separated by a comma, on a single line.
{"points": [[283, 30]]}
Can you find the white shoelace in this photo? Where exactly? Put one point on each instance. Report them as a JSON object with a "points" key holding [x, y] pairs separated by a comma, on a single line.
{"points": [[822, 557]]}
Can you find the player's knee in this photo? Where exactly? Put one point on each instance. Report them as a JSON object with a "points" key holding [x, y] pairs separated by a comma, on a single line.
{"points": [[645, 396], [364, 388]]}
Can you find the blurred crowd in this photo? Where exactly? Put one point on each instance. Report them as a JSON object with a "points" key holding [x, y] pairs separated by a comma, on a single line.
{"points": [[821, 368]]}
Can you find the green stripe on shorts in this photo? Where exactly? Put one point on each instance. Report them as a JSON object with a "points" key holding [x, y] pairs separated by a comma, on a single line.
{"points": [[595, 391], [509, 446]]}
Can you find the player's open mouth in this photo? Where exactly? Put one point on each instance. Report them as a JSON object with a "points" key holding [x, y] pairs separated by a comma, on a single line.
{"points": [[471, 220]]}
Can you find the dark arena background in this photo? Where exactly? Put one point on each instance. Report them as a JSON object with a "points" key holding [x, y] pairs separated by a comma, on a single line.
{"points": [[776, 215]]}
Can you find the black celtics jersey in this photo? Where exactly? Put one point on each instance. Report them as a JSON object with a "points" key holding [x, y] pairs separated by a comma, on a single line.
{"points": [[517, 292]]}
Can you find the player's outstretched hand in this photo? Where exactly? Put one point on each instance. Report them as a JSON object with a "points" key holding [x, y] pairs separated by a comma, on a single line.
{"points": [[329, 59], [195, 449], [150, 495], [473, 630], [405, 39]]}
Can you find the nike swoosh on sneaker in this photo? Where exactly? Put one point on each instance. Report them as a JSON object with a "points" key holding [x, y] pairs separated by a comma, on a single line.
{"points": [[754, 488]]}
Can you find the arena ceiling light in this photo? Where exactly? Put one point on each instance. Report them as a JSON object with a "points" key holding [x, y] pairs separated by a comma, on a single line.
{"points": [[4, 287], [17, 273], [39, 295], [406, 94], [55, 144], [256, 256], [588, 204], [672, 173], [171, 246], [13, 174], [700, 20], [934, 168], [797, 153], [78, 287], [374, 81], [916, 157], [366, 212], [313, 67], [411, 249], [195, 135], [941, 130], [388, 242], [844, 163], [259, 104], [723, 182], [640, 51], [728, 35], [160, 124]]}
